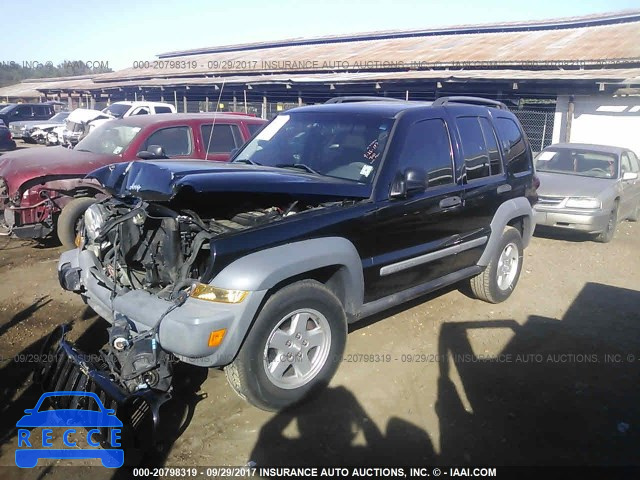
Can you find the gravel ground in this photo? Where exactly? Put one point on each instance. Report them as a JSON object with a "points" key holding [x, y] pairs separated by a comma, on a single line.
{"points": [[549, 377]]}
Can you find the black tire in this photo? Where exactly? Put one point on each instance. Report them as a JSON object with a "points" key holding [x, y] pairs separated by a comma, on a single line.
{"points": [[68, 220], [635, 214], [607, 235], [485, 285], [248, 372]]}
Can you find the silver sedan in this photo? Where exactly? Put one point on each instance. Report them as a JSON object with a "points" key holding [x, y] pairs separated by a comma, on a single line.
{"points": [[589, 188]]}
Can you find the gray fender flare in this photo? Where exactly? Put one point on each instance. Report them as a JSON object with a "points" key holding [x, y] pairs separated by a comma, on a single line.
{"points": [[265, 269], [514, 208]]}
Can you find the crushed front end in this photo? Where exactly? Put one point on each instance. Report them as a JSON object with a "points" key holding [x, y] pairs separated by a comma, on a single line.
{"points": [[64, 368], [145, 268]]}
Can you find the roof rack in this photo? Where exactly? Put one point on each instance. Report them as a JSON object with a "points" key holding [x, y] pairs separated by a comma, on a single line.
{"points": [[362, 99], [469, 100]]}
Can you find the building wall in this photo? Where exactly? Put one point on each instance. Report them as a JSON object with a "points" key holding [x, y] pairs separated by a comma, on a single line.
{"points": [[601, 119]]}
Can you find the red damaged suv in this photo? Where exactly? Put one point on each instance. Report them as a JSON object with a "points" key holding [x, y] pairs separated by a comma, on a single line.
{"points": [[42, 189]]}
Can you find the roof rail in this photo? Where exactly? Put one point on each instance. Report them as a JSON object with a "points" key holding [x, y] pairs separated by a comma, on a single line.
{"points": [[469, 100], [362, 99]]}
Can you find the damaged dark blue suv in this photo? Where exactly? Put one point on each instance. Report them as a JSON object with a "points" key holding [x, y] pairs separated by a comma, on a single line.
{"points": [[329, 214]]}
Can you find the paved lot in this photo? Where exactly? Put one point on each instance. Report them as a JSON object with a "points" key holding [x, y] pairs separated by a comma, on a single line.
{"points": [[549, 377]]}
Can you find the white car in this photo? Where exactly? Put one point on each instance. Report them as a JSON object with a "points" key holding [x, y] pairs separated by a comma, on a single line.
{"points": [[82, 120]]}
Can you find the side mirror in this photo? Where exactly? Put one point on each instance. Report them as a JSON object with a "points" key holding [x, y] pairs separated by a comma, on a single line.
{"points": [[153, 152], [629, 176], [413, 180]]}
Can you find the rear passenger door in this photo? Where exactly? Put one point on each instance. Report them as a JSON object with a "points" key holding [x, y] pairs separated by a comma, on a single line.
{"points": [[217, 141], [417, 239], [483, 175]]}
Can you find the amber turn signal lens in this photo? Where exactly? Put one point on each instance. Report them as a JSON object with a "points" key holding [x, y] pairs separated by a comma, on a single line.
{"points": [[215, 338], [78, 240]]}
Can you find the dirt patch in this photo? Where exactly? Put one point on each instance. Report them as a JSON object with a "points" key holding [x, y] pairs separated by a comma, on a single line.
{"points": [[548, 377]]}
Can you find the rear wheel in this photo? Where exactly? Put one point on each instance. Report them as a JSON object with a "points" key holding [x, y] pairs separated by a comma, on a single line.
{"points": [[496, 283], [607, 235], [293, 349], [69, 220]]}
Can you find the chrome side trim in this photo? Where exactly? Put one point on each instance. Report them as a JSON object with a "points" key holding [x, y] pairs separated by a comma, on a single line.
{"points": [[430, 257]]}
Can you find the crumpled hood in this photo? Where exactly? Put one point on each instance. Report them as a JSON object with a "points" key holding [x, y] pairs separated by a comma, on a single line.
{"points": [[566, 185], [161, 180], [83, 115], [23, 165]]}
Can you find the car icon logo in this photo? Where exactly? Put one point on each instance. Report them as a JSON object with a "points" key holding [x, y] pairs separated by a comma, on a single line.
{"points": [[31, 448]]}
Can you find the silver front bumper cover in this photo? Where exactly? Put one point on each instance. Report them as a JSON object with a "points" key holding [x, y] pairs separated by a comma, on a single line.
{"points": [[184, 331]]}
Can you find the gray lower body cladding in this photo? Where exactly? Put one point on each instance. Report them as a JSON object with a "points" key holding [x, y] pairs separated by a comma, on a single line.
{"points": [[184, 331]]}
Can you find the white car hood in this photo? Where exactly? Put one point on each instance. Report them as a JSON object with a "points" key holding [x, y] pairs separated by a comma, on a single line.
{"points": [[84, 115]]}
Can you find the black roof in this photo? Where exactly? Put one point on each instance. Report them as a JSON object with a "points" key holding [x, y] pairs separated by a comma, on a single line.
{"points": [[387, 108]]}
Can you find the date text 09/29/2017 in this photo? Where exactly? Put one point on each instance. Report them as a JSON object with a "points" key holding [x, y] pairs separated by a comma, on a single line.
{"points": [[338, 472]]}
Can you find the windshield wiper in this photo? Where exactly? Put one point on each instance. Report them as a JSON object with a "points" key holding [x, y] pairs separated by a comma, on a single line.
{"points": [[301, 166], [246, 160]]}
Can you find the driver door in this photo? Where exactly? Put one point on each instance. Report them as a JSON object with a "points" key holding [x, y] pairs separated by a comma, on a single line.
{"points": [[417, 238]]}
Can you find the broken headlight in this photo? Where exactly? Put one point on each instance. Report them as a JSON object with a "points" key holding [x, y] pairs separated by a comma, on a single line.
{"points": [[94, 218]]}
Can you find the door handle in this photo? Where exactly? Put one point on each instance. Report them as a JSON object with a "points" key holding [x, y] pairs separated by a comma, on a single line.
{"points": [[450, 202]]}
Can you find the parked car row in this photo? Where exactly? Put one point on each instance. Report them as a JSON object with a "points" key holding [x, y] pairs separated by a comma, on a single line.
{"points": [[36, 131], [43, 190]]}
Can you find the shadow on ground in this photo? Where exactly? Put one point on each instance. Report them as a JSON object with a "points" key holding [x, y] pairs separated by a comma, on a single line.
{"points": [[559, 393]]}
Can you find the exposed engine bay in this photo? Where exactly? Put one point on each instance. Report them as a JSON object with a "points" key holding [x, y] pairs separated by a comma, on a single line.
{"points": [[150, 246]]}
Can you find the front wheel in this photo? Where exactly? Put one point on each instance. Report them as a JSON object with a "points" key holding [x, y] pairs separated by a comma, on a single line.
{"points": [[607, 235], [293, 349], [635, 214], [69, 220], [496, 283]]}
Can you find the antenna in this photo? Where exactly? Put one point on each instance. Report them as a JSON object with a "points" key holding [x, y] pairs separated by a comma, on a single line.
{"points": [[215, 115]]}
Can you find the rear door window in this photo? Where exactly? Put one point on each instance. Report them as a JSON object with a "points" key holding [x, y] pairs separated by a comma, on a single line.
{"points": [[474, 148], [225, 137], [175, 141], [492, 146]]}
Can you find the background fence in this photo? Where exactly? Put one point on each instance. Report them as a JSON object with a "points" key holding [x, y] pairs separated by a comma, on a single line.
{"points": [[538, 125]]}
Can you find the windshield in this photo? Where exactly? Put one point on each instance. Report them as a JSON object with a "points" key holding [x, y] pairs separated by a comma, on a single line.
{"points": [[59, 117], [116, 110], [342, 145], [108, 139], [5, 109], [585, 163]]}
